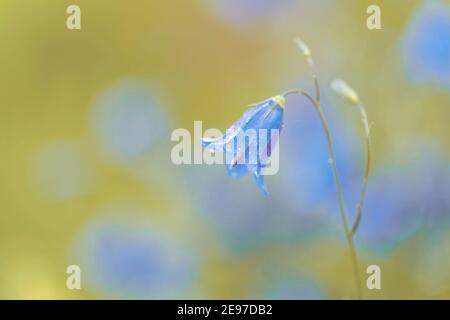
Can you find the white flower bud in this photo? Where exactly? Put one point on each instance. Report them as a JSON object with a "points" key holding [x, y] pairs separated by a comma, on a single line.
{"points": [[343, 90]]}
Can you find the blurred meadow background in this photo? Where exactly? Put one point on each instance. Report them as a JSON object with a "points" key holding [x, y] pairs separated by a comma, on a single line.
{"points": [[86, 176]]}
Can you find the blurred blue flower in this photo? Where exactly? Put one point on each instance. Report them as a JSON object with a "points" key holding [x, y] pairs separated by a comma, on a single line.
{"points": [[127, 120], [124, 258], [403, 200], [243, 157], [426, 45]]}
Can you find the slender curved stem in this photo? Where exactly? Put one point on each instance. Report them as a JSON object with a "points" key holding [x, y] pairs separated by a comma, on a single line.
{"points": [[366, 170], [342, 211], [348, 233], [300, 92], [317, 105], [312, 67]]}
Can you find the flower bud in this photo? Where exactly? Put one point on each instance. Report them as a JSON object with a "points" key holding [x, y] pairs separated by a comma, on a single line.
{"points": [[342, 89]]}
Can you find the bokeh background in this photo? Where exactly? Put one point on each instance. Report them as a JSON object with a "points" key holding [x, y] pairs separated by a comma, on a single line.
{"points": [[86, 176]]}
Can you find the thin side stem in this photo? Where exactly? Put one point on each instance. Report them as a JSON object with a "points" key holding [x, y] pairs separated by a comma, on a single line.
{"points": [[300, 92], [366, 170]]}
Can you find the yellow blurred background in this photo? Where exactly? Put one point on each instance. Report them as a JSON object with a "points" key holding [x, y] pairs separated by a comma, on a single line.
{"points": [[86, 176]]}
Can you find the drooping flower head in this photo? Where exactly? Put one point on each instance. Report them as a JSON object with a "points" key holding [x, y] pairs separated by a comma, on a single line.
{"points": [[250, 141]]}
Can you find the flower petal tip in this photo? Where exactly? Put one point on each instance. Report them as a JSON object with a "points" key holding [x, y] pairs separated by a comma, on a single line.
{"points": [[259, 179]]}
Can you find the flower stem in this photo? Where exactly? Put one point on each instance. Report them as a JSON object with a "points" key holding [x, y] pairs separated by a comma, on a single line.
{"points": [[366, 170], [348, 232], [317, 105]]}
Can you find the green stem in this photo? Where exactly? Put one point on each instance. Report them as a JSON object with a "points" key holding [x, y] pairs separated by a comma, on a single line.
{"points": [[366, 170], [348, 233]]}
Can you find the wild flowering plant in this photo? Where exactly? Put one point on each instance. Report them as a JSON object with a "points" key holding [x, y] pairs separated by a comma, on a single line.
{"points": [[253, 154]]}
